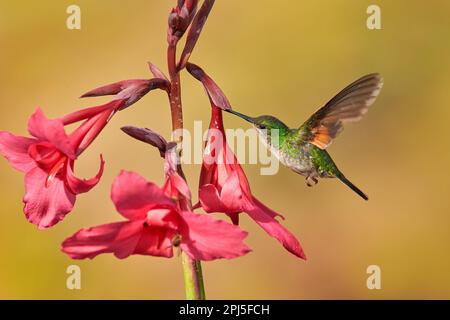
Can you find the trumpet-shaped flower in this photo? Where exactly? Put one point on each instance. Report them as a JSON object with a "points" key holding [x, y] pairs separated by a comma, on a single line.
{"points": [[223, 185], [47, 158], [155, 225]]}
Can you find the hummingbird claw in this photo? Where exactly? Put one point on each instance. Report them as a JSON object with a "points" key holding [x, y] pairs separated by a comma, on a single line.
{"points": [[311, 181]]}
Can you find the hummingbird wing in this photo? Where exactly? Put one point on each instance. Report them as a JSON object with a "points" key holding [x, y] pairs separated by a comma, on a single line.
{"points": [[349, 105]]}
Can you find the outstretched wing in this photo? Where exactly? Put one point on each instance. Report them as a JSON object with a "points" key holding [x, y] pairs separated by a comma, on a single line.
{"points": [[349, 105]]}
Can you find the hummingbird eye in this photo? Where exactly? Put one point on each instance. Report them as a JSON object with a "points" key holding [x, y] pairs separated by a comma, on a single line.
{"points": [[262, 127]]}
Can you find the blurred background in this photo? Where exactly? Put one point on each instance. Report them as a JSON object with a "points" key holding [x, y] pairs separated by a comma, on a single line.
{"points": [[285, 58]]}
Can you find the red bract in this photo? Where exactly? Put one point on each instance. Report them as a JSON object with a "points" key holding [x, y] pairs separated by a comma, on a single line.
{"points": [[224, 188], [48, 158], [155, 225], [213, 91]]}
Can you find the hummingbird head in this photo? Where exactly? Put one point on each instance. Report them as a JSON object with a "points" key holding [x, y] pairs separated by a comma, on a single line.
{"points": [[265, 125]]}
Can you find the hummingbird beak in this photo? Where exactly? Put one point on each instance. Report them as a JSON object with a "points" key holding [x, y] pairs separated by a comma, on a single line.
{"points": [[240, 115]]}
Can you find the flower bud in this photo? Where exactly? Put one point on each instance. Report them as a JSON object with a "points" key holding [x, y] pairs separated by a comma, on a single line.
{"points": [[180, 18], [214, 92], [148, 136]]}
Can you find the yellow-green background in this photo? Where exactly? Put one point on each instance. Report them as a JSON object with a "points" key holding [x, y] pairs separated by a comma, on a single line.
{"points": [[280, 57]]}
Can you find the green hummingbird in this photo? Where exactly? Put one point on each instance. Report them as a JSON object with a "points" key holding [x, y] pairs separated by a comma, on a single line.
{"points": [[303, 149]]}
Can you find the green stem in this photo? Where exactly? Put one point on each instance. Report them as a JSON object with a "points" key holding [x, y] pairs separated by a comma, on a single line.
{"points": [[193, 278], [192, 269]]}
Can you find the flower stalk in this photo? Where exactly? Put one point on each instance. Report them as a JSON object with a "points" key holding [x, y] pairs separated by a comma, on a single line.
{"points": [[192, 270], [193, 278]]}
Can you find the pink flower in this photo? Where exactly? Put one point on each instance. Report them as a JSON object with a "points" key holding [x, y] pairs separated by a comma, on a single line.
{"points": [[48, 160], [155, 225], [48, 157], [223, 185], [224, 188]]}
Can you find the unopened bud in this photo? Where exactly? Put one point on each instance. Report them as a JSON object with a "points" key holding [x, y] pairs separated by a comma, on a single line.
{"points": [[180, 18], [148, 136]]}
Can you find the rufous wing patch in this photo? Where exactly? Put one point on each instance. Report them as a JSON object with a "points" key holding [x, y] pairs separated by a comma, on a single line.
{"points": [[321, 137], [349, 105]]}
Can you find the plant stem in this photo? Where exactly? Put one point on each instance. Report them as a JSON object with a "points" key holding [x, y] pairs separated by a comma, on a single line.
{"points": [[176, 106], [193, 278], [192, 269]]}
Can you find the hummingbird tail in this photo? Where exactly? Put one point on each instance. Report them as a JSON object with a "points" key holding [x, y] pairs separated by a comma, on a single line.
{"points": [[352, 186]]}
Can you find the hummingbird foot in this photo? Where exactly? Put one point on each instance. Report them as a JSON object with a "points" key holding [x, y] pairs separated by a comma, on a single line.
{"points": [[311, 181]]}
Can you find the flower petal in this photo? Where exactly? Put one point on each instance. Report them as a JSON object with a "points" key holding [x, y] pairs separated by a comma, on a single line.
{"points": [[134, 196], [77, 185], [231, 194], [206, 238], [267, 210], [46, 206], [181, 185], [107, 90], [120, 238], [210, 199], [87, 113], [265, 219], [230, 201], [175, 185], [156, 242], [45, 155], [85, 134], [15, 150], [162, 217], [52, 131]]}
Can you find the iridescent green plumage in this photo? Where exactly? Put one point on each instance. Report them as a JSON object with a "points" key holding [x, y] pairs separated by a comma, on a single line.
{"points": [[304, 149]]}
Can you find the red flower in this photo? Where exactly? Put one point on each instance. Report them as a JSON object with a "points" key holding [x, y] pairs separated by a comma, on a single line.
{"points": [[48, 158], [223, 185], [155, 225], [224, 188]]}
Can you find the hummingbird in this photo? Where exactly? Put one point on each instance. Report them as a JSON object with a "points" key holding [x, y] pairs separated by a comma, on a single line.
{"points": [[303, 149]]}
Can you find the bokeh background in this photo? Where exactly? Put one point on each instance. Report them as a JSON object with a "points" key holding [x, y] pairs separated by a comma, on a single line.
{"points": [[284, 58]]}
